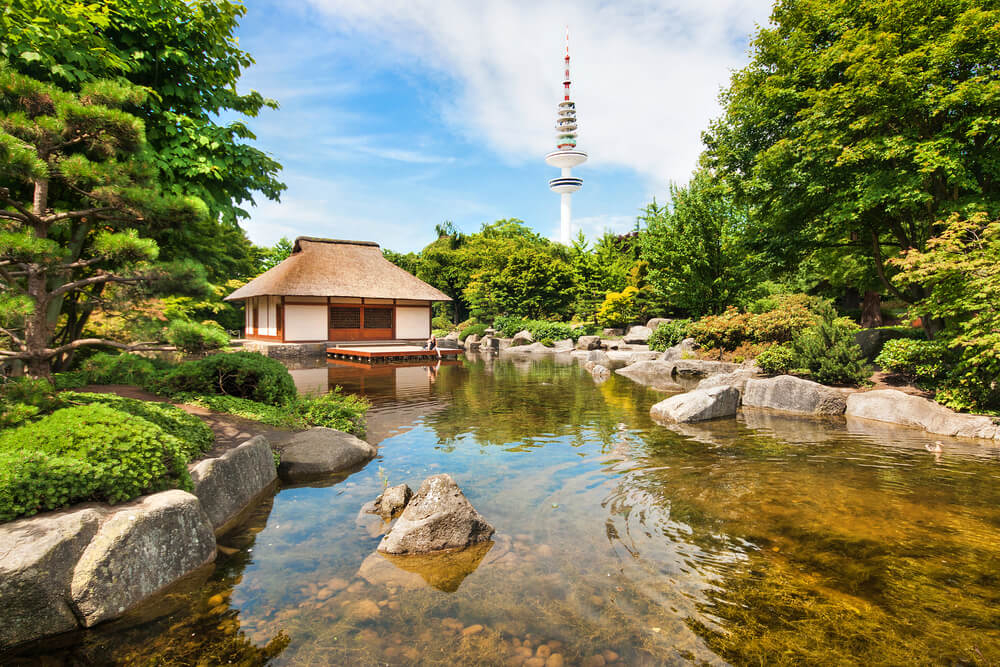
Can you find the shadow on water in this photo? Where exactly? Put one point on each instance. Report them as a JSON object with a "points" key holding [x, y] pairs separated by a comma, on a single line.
{"points": [[765, 539]]}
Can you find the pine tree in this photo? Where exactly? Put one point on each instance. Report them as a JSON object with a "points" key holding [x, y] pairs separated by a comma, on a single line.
{"points": [[829, 352], [76, 187]]}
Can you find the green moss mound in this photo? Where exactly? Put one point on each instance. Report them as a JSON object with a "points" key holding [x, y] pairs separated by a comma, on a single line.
{"points": [[86, 452]]}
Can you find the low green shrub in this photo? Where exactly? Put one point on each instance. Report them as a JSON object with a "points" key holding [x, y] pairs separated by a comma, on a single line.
{"points": [[923, 361], [462, 326], [274, 415], [70, 380], [828, 351], [442, 322], [618, 308], [547, 342], [507, 326], [668, 334], [791, 315], [240, 374], [726, 331], [477, 329], [440, 333], [337, 410], [111, 368], [193, 433], [777, 360], [87, 452], [190, 336]]}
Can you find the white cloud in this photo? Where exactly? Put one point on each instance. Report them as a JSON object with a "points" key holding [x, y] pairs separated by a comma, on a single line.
{"points": [[646, 74]]}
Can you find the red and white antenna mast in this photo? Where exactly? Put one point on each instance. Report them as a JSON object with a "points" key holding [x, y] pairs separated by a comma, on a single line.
{"points": [[566, 156]]}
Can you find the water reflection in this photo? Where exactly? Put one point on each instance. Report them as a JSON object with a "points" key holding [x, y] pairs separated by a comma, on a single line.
{"points": [[757, 540]]}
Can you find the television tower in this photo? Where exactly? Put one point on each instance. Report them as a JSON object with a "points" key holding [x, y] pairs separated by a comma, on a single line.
{"points": [[566, 156]]}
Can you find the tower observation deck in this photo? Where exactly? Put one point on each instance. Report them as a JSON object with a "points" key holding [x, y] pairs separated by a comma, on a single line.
{"points": [[566, 156]]}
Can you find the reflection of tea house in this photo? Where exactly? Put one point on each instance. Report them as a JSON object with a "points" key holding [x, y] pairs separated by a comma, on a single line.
{"points": [[337, 291]]}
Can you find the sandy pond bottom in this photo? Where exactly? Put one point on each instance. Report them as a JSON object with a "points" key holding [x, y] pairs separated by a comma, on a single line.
{"points": [[762, 540]]}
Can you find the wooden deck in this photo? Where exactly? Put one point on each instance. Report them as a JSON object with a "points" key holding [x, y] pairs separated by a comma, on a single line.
{"points": [[372, 353]]}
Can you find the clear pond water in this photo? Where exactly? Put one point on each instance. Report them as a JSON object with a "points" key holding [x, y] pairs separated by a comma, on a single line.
{"points": [[760, 540]]}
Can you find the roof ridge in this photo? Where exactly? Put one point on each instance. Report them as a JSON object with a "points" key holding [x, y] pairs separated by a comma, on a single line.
{"points": [[318, 239]]}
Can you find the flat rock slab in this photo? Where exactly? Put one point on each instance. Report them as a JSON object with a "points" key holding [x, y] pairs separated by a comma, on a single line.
{"points": [[322, 451], [637, 334], [438, 517], [895, 407], [698, 405], [226, 485], [657, 374], [37, 556], [136, 552], [737, 378], [791, 394]]}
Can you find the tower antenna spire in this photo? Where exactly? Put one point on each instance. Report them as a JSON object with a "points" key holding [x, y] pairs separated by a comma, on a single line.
{"points": [[566, 156]]}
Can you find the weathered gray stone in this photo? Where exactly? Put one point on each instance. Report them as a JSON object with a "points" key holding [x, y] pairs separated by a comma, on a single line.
{"points": [[637, 334], [504, 343], [642, 355], [618, 358], [599, 372], [225, 485], [37, 556], [702, 367], [392, 501], [452, 336], [611, 332], [655, 322], [534, 348], [438, 517], [890, 405], [683, 350], [565, 345], [489, 343], [523, 337], [657, 374], [737, 379], [140, 548], [599, 357], [322, 451], [449, 342], [791, 394], [588, 343], [472, 342], [698, 405]]}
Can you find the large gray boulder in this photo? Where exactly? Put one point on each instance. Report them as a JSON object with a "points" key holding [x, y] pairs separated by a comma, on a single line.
{"points": [[140, 548], [523, 337], [471, 342], [534, 348], [791, 394], [227, 484], [890, 405], [37, 556], [637, 334], [565, 345], [438, 517], [599, 357], [588, 342], [702, 367], [322, 451], [698, 405], [656, 322], [656, 374], [737, 379], [683, 350]]}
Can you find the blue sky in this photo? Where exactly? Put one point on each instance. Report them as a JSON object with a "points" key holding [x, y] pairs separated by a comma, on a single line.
{"points": [[397, 116]]}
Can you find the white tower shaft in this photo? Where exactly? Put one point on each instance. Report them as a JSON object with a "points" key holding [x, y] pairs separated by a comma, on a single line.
{"points": [[565, 213], [566, 156]]}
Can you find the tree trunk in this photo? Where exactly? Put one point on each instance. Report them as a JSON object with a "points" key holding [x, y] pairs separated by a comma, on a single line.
{"points": [[871, 310], [36, 326]]}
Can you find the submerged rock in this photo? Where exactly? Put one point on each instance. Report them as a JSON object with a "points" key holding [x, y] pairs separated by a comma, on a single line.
{"points": [[322, 451], [438, 517], [443, 570], [698, 405], [791, 394]]}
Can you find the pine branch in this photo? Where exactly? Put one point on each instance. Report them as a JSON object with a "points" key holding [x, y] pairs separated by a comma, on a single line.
{"points": [[10, 215], [82, 213], [29, 216], [14, 337], [93, 280]]}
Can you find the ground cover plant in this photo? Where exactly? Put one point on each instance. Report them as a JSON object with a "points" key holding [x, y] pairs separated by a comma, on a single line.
{"points": [[86, 452]]}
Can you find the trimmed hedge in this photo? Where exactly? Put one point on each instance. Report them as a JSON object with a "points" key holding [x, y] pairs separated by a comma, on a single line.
{"points": [[923, 361], [241, 374], [196, 437], [89, 452]]}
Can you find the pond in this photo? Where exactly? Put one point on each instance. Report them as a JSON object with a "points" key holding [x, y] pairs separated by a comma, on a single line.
{"points": [[764, 539]]}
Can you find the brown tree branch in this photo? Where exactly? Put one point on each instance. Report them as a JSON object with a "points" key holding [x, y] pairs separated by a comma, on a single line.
{"points": [[93, 280], [14, 337], [880, 268], [30, 217]]}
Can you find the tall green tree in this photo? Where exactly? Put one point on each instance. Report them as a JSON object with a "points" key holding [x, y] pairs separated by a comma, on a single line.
{"points": [[185, 54], [696, 248], [76, 187], [861, 124]]}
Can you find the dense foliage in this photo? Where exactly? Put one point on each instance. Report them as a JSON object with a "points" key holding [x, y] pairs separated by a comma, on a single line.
{"points": [[241, 374], [90, 452], [539, 329], [923, 361], [189, 336], [828, 352], [668, 334]]}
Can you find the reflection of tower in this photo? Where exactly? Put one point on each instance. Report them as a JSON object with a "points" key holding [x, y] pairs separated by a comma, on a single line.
{"points": [[566, 156]]}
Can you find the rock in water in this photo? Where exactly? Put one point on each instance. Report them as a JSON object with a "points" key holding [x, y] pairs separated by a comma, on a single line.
{"points": [[438, 517], [322, 451], [392, 501], [698, 405]]}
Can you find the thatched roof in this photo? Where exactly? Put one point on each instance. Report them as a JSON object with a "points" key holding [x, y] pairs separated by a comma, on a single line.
{"points": [[328, 267]]}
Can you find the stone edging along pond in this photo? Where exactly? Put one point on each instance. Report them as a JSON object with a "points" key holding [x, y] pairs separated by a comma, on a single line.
{"points": [[71, 569]]}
